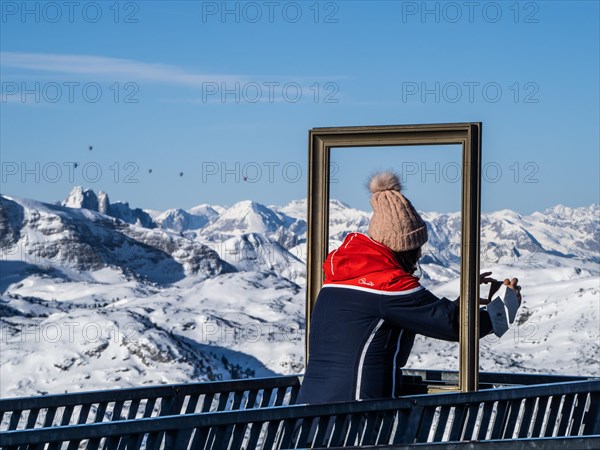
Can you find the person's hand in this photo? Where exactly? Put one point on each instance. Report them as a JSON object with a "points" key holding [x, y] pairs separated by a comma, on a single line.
{"points": [[514, 285], [484, 278]]}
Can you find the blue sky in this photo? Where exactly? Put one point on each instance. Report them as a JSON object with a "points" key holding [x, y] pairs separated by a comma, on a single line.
{"points": [[225, 93]]}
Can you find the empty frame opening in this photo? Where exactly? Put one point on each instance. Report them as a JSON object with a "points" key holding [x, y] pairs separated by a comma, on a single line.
{"points": [[431, 178]]}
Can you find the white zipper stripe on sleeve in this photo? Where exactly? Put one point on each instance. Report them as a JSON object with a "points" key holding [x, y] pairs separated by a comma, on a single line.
{"points": [[395, 358], [331, 261], [348, 243], [335, 251], [362, 358]]}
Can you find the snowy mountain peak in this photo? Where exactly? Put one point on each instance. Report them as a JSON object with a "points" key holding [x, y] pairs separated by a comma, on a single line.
{"points": [[296, 209], [56, 236], [248, 217], [246, 207], [210, 211], [181, 220], [505, 214], [103, 202], [338, 204], [565, 212], [81, 198]]}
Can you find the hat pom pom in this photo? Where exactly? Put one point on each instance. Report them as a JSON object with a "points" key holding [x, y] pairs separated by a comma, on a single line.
{"points": [[384, 181]]}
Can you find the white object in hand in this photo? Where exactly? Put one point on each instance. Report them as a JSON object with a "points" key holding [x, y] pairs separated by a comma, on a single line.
{"points": [[503, 309]]}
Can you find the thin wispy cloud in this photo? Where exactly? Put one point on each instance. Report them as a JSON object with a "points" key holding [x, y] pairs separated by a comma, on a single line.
{"points": [[106, 67], [102, 67], [18, 99]]}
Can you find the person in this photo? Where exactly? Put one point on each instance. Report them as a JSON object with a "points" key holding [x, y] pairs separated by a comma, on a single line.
{"points": [[372, 305]]}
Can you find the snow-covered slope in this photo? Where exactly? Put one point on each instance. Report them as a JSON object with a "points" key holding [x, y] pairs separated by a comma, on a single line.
{"points": [[104, 331], [556, 330], [94, 299], [254, 251]]}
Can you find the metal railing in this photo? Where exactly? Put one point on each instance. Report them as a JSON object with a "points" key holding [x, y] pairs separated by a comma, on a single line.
{"points": [[153, 401], [145, 402], [490, 379], [550, 443], [535, 411], [422, 381]]}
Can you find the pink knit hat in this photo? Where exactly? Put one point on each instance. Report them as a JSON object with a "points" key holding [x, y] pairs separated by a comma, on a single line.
{"points": [[395, 222]]}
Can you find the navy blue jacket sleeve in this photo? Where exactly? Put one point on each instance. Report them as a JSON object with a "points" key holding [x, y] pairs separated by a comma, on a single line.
{"points": [[424, 313]]}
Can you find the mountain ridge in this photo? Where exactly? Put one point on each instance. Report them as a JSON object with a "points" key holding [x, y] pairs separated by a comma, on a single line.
{"points": [[226, 299]]}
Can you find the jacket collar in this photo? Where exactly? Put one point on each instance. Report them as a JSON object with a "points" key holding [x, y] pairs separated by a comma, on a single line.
{"points": [[360, 262]]}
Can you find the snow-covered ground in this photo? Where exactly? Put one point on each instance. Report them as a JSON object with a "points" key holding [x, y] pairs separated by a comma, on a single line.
{"points": [[556, 330], [96, 295], [122, 333]]}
